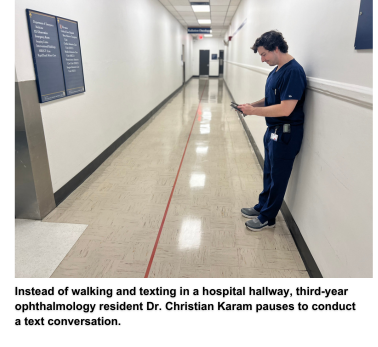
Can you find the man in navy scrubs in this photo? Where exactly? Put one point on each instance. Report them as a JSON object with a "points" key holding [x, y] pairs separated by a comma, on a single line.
{"points": [[282, 108]]}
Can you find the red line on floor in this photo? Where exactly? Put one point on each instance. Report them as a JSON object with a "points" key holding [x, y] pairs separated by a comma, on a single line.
{"points": [[170, 197]]}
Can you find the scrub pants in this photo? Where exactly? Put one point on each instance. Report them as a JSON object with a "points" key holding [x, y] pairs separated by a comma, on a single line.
{"points": [[278, 163]]}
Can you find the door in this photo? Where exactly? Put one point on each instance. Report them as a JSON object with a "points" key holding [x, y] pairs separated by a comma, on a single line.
{"points": [[221, 62], [204, 62], [183, 64]]}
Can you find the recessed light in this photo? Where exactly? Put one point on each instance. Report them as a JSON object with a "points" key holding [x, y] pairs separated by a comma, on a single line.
{"points": [[201, 8], [208, 35], [204, 21]]}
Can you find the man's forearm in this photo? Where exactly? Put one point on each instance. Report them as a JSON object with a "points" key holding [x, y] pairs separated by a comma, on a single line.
{"points": [[260, 103], [270, 111]]}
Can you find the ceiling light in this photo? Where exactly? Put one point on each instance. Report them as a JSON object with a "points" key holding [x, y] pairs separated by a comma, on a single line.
{"points": [[201, 8], [208, 35], [204, 21]]}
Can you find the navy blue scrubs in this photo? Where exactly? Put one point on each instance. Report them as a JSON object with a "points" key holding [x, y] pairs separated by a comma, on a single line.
{"points": [[288, 83]]}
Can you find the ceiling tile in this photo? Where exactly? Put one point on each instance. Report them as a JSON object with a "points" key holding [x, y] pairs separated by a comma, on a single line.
{"points": [[165, 2], [189, 19], [179, 2], [218, 14], [183, 8], [218, 8], [232, 8], [220, 2], [218, 21], [201, 15], [234, 2], [188, 14]]}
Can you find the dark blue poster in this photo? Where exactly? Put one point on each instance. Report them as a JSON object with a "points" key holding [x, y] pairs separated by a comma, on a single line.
{"points": [[71, 56], [364, 34], [46, 56]]}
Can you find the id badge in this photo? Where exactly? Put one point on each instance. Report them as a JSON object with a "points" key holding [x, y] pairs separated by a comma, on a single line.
{"points": [[274, 137]]}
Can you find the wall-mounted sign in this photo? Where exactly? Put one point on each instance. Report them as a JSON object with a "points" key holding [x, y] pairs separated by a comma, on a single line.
{"points": [[56, 53], [364, 34], [46, 56], [214, 56], [71, 56], [199, 30]]}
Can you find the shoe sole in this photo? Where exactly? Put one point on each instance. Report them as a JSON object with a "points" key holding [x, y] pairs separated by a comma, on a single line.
{"points": [[249, 217], [265, 227]]}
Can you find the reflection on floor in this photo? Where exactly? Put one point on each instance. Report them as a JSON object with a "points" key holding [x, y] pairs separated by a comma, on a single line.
{"points": [[40, 247], [203, 235]]}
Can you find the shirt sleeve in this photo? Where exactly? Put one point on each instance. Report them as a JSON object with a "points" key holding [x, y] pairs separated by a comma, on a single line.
{"points": [[293, 85]]}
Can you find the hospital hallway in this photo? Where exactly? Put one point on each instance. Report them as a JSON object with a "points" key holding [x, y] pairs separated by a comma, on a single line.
{"points": [[167, 202]]}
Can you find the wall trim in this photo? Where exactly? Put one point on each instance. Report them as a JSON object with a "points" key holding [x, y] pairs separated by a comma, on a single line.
{"points": [[61, 194], [304, 251], [348, 92]]}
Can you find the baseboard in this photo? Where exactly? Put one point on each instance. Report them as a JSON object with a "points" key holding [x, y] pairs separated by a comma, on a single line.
{"points": [[304, 251], [77, 180]]}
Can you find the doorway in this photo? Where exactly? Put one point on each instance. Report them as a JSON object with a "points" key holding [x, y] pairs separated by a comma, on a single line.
{"points": [[221, 63], [204, 62]]}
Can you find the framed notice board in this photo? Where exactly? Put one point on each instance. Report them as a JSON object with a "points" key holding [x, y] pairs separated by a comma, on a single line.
{"points": [[68, 32], [56, 54], [364, 34]]}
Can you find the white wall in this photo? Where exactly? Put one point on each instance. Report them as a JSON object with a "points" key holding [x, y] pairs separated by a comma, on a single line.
{"points": [[131, 53], [330, 190], [214, 45]]}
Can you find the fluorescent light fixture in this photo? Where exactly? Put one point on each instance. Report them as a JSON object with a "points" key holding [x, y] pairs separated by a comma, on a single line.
{"points": [[208, 35], [201, 8], [204, 21]]}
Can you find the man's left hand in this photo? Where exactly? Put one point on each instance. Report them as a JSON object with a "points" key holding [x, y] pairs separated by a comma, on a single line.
{"points": [[247, 109]]}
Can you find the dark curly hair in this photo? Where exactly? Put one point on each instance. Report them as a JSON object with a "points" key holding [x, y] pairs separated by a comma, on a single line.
{"points": [[270, 40]]}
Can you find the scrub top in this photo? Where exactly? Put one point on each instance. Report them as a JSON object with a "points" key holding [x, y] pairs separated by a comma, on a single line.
{"points": [[288, 83]]}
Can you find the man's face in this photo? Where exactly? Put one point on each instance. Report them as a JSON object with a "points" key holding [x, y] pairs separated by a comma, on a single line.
{"points": [[269, 57]]}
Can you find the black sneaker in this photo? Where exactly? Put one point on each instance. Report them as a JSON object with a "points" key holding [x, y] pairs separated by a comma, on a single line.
{"points": [[249, 213], [256, 225]]}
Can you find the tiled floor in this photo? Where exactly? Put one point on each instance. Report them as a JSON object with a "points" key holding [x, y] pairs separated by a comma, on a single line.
{"points": [[204, 235]]}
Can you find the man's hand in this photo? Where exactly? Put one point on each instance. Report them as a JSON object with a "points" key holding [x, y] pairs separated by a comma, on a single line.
{"points": [[284, 109], [247, 109]]}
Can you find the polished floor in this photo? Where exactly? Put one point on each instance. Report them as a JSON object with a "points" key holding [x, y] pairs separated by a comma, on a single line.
{"points": [[138, 227]]}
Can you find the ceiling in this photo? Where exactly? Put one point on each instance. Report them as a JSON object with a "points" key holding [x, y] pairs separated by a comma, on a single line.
{"points": [[221, 13]]}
